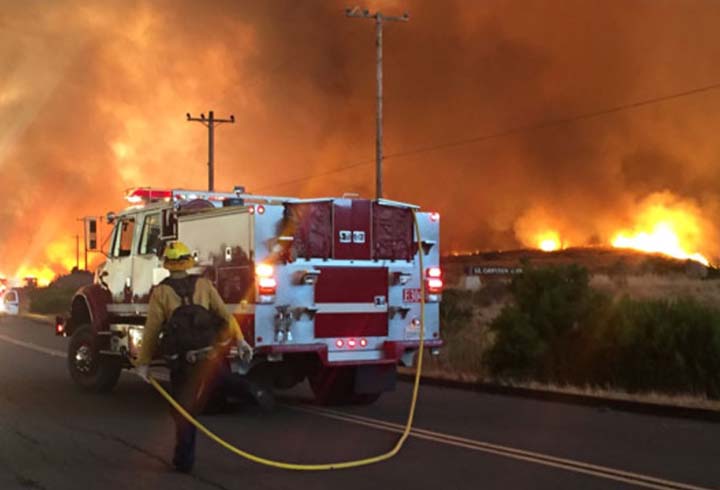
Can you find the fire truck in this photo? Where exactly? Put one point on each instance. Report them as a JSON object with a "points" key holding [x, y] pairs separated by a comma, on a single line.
{"points": [[325, 289]]}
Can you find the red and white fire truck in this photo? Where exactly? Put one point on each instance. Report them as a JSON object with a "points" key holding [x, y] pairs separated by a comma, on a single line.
{"points": [[326, 289]]}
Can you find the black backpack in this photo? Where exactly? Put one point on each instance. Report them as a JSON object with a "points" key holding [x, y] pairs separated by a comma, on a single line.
{"points": [[191, 329]]}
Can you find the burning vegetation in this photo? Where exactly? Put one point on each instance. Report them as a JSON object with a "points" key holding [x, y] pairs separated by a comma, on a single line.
{"points": [[92, 102]]}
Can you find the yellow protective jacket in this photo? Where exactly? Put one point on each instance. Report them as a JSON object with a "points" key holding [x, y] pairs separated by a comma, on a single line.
{"points": [[163, 302]]}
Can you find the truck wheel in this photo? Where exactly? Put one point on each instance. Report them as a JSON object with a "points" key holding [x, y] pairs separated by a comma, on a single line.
{"points": [[334, 386], [88, 369]]}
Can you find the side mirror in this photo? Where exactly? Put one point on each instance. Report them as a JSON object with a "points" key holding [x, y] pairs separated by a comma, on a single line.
{"points": [[110, 217]]}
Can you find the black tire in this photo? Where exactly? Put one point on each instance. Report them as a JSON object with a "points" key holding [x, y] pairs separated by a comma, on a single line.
{"points": [[89, 370], [334, 386]]}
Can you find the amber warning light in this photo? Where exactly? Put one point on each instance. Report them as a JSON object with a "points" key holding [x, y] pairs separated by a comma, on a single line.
{"points": [[267, 284]]}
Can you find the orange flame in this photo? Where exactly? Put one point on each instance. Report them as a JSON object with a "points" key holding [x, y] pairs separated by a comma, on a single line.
{"points": [[59, 259], [665, 226], [549, 241], [43, 274]]}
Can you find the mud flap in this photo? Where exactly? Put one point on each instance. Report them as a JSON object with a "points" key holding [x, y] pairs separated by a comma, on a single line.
{"points": [[374, 379]]}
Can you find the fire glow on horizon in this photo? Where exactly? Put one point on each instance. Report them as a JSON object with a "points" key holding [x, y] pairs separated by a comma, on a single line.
{"points": [[302, 82], [661, 223], [672, 229]]}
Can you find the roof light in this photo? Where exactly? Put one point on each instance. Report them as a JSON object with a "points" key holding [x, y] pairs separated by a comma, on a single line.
{"points": [[339, 343], [363, 342], [147, 194], [261, 209], [352, 343], [251, 210], [435, 216]]}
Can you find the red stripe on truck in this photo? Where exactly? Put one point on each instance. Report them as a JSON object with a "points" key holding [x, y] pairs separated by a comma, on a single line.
{"points": [[368, 285]]}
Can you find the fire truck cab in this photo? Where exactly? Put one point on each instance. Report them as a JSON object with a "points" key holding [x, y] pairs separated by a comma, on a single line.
{"points": [[325, 289]]}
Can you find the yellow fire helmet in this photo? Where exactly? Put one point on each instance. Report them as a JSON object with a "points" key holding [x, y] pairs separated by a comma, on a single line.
{"points": [[177, 256]]}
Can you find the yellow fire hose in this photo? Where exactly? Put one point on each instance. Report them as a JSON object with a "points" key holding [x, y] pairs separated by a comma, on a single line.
{"points": [[342, 464]]}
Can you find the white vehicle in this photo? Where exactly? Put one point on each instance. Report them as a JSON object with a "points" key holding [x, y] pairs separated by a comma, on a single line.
{"points": [[325, 289], [10, 303]]}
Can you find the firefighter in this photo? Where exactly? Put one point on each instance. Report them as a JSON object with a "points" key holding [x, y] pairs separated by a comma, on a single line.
{"points": [[192, 383]]}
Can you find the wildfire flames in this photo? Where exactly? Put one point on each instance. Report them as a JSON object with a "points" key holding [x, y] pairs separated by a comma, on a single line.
{"points": [[661, 227], [662, 223], [549, 241], [59, 259], [300, 84]]}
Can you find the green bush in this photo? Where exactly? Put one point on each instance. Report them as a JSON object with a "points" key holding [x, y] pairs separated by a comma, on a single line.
{"points": [[50, 300], [456, 311], [518, 347], [667, 345], [561, 330]]}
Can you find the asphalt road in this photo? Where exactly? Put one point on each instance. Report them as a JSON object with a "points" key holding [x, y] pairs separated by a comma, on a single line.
{"points": [[53, 436]]}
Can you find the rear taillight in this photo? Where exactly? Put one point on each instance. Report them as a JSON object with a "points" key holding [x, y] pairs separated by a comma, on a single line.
{"points": [[351, 343], [433, 281], [265, 278]]}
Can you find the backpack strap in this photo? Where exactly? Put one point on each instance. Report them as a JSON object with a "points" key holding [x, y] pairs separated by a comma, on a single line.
{"points": [[185, 287]]}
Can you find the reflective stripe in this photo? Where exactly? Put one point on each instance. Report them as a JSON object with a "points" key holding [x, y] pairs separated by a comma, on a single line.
{"points": [[142, 308], [128, 308], [240, 308], [350, 308], [355, 355]]}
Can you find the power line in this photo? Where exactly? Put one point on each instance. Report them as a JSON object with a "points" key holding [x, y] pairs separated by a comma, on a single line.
{"points": [[554, 122], [510, 132], [321, 174]]}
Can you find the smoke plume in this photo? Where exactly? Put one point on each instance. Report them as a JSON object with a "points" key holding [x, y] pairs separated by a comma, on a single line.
{"points": [[93, 97]]}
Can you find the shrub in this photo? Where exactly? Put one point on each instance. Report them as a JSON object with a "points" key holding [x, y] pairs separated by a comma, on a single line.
{"points": [[545, 332], [518, 347], [456, 311], [561, 330], [666, 345]]}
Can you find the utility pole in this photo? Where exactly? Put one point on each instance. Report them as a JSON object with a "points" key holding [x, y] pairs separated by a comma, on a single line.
{"points": [[379, 20], [77, 252], [210, 123]]}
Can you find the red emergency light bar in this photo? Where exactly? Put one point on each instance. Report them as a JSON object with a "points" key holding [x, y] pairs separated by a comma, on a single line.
{"points": [[146, 194]]}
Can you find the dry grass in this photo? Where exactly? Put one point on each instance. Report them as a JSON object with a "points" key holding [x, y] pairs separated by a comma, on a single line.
{"points": [[654, 286], [462, 357]]}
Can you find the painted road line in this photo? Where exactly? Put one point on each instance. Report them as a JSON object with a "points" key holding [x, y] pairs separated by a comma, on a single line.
{"points": [[568, 464], [35, 347], [603, 472], [159, 375]]}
